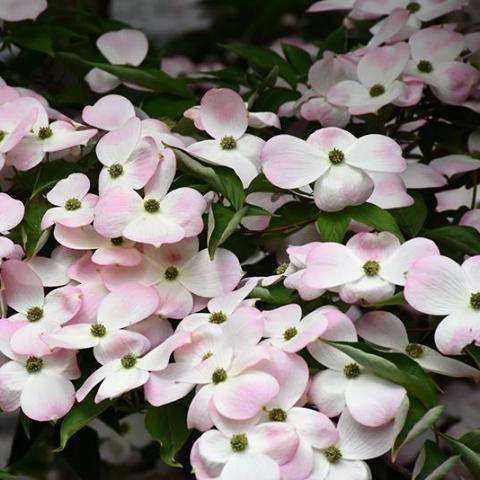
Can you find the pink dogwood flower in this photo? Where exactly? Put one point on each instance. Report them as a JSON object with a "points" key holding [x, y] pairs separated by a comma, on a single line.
{"points": [[124, 307], [74, 206], [179, 271], [18, 10], [378, 84], [335, 160], [285, 329], [109, 112], [121, 47], [437, 285], [434, 53], [367, 268], [345, 459], [387, 330], [40, 385], [347, 385], [224, 117], [37, 313], [132, 366], [419, 175], [255, 452], [159, 217]]}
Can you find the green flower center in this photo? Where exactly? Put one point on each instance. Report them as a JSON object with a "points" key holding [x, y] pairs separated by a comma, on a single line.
{"points": [[171, 273], [98, 330], [239, 442], [475, 301], [34, 364], [413, 7], [218, 318], [425, 66], [228, 143], [117, 241], [336, 156], [371, 268], [34, 314], [352, 370], [414, 350], [289, 333], [377, 90], [129, 360], [219, 376], [332, 454], [206, 356], [45, 132], [281, 269], [73, 204], [115, 170], [151, 205], [277, 415]]}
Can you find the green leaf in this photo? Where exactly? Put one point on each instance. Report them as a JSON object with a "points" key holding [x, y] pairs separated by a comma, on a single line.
{"points": [[293, 216], [152, 79], [33, 236], [169, 106], [397, 299], [376, 217], [411, 219], [335, 42], [225, 222], [418, 421], [472, 440], [79, 416], [168, 426], [470, 458], [275, 295], [298, 57], [474, 352], [32, 37], [395, 367], [432, 463], [333, 226], [263, 60], [458, 238], [4, 475], [223, 179]]}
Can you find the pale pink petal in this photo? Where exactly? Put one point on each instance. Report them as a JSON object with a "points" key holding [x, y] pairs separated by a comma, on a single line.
{"points": [[197, 416], [453, 164], [124, 47], [13, 377], [11, 212], [387, 28], [242, 397], [126, 257], [56, 393], [109, 112], [96, 377], [281, 318], [301, 465], [223, 113], [263, 119], [389, 191], [437, 285], [458, 330], [160, 181], [62, 304], [72, 337], [76, 185], [289, 162], [100, 81], [64, 135], [328, 5], [154, 229], [327, 392], [367, 290], [121, 381], [15, 11], [175, 300], [250, 465], [471, 218], [277, 440], [437, 45], [383, 329], [117, 344]]}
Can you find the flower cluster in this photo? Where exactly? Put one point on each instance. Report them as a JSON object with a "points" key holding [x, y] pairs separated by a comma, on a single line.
{"points": [[289, 359]]}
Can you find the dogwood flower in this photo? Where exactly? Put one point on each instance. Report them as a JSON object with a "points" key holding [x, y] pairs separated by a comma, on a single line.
{"points": [[419, 175], [129, 160], [121, 47], [126, 306], [74, 206], [40, 385], [437, 285], [179, 271], [256, 452], [344, 460], [387, 330], [37, 313], [345, 384], [159, 217], [378, 84], [109, 112], [367, 268], [335, 160], [224, 117], [450, 80]]}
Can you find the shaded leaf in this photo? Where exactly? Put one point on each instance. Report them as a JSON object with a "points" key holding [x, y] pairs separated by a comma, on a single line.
{"points": [[459, 238], [332, 226]]}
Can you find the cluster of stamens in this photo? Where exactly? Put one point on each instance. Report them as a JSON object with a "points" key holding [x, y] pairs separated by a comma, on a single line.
{"points": [[228, 143], [217, 318], [115, 170], [277, 415], [34, 314], [377, 90], [45, 132], [151, 205], [332, 454], [336, 156], [73, 204], [129, 360], [414, 350], [239, 442], [352, 370], [171, 273], [289, 333], [98, 330], [425, 66], [475, 300], [219, 376], [34, 364], [117, 241], [371, 268]]}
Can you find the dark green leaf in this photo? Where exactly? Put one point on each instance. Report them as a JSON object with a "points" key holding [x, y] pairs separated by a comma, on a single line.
{"points": [[32, 37], [225, 223], [4, 475], [376, 217], [470, 458], [433, 463], [169, 106], [397, 299], [263, 60], [275, 295], [33, 236], [458, 238], [333, 226], [298, 57], [411, 219], [168, 426], [472, 440], [474, 352], [79, 416], [335, 42]]}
